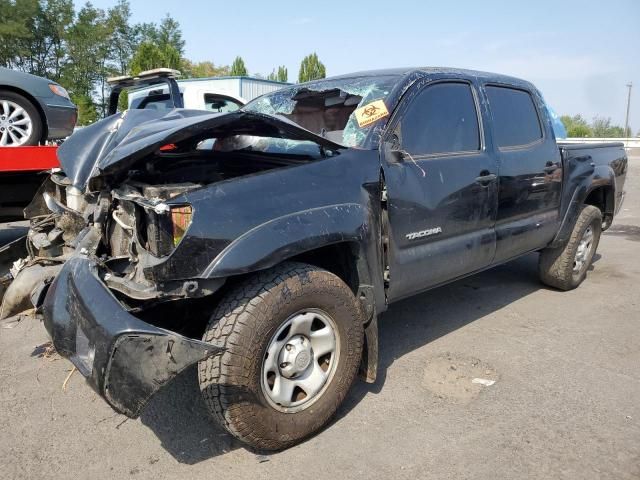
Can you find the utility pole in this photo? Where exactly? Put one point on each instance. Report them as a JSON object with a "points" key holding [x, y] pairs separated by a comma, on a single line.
{"points": [[626, 121]]}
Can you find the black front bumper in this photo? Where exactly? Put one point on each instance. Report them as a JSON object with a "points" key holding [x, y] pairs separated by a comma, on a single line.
{"points": [[123, 358]]}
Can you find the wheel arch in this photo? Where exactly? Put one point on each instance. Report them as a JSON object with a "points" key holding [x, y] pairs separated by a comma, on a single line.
{"points": [[37, 106], [602, 197], [342, 239], [599, 193]]}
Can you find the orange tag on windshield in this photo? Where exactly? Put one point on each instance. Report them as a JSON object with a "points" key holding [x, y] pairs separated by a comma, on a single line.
{"points": [[371, 112]]}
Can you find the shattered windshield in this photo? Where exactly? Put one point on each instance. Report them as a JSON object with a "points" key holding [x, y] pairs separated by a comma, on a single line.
{"points": [[342, 110]]}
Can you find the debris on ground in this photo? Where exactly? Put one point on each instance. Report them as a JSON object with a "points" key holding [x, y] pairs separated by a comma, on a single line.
{"points": [[456, 377], [483, 381], [45, 350], [64, 384]]}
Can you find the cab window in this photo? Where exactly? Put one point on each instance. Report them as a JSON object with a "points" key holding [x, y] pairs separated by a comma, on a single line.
{"points": [[441, 119], [515, 118]]}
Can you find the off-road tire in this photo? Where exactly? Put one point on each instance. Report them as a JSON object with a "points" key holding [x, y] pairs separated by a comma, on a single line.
{"points": [[32, 111], [555, 265], [246, 319]]}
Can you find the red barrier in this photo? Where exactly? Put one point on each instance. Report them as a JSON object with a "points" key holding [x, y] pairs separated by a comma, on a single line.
{"points": [[28, 159]]}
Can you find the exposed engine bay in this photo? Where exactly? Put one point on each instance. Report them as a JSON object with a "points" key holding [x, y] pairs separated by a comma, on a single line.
{"points": [[136, 227]]}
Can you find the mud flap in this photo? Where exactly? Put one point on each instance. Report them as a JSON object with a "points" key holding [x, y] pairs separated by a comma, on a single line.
{"points": [[369, 364]]}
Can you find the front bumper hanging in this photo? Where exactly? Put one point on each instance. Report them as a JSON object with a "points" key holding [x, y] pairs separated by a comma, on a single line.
{"points": [[123, 358]]}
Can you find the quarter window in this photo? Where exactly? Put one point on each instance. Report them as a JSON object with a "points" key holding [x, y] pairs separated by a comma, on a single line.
{"points": [[441, 119], [515, 119]]}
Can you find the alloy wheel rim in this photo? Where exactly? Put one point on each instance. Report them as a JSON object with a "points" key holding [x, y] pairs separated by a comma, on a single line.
{"points": [[582, 252], [16, 125], [300, 360]]}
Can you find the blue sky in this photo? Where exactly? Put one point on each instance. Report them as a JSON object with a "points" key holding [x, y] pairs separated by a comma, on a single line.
{"points": [[580, 54]]}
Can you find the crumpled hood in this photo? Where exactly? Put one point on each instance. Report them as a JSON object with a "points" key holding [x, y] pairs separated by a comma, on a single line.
{"points": [[116, 142]]}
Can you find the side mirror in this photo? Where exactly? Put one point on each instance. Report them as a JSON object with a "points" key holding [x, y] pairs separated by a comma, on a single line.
{"points": [[397, 156], [393, 151]]}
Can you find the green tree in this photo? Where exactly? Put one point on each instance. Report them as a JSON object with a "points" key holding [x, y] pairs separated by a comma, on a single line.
{"points": [[32, 35], [281, 75], [160, 46], [87, 111], [602, 127], [169, 33], [311, 68], [16, 32], [238, 68], [123, 36], [576, 126], [88, 50], [150, 55], [146, 32], [204, 69]]}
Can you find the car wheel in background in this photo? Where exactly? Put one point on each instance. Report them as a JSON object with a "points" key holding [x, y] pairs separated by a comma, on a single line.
{"points": [[20, 122]]}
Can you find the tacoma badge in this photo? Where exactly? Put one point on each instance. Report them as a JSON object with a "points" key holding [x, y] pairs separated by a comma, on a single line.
{"points": [[424, 233]]}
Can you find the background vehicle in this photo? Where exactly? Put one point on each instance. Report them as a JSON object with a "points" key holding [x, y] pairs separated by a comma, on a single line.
{"points": [[316, 207], [23, 169], [33, 109], [217, 94]]}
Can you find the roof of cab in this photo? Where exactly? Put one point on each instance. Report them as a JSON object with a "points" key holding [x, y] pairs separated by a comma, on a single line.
{"points": [[487, 76]]}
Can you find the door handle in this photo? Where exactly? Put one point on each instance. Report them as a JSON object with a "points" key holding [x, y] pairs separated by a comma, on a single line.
{"points": [[486, 179]]}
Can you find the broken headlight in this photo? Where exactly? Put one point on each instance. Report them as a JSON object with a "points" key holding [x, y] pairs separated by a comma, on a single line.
{"points": [[165, 230], [180, 219]]}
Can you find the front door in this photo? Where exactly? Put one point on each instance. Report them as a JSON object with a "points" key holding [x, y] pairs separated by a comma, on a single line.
{"points": [[441, 189]]}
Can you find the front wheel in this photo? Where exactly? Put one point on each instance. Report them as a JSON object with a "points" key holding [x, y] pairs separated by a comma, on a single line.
{"points": [[293, 338], [565, 267]]}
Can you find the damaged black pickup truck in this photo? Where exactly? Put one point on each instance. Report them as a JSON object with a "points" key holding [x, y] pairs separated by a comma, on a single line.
{"points": [[264, 243]]}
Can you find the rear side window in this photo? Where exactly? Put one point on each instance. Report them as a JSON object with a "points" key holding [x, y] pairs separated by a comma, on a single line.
{"points": [[441, 119], [515, 119]]}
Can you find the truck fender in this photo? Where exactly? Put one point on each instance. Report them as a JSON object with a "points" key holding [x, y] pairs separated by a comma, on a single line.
{"points": [[279, 239], [601, 177]]}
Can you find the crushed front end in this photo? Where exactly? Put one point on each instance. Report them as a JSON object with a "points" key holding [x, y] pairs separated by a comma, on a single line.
{"points": [[121, 240], [84, 274], [125, 359]]}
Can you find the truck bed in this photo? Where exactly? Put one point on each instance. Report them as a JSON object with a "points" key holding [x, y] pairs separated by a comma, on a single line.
{"points": [[579, 146]]}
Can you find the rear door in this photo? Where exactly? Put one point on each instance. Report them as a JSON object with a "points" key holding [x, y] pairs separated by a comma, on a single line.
{"points": [[530, 171], [441, 190]]}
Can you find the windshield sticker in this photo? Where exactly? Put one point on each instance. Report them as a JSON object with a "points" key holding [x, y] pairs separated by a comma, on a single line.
{"points": [[371, 112]]}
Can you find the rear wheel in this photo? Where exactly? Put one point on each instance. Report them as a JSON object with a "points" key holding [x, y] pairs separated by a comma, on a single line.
{"points": [[293, 338], [566, 267], [20, 122]]}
